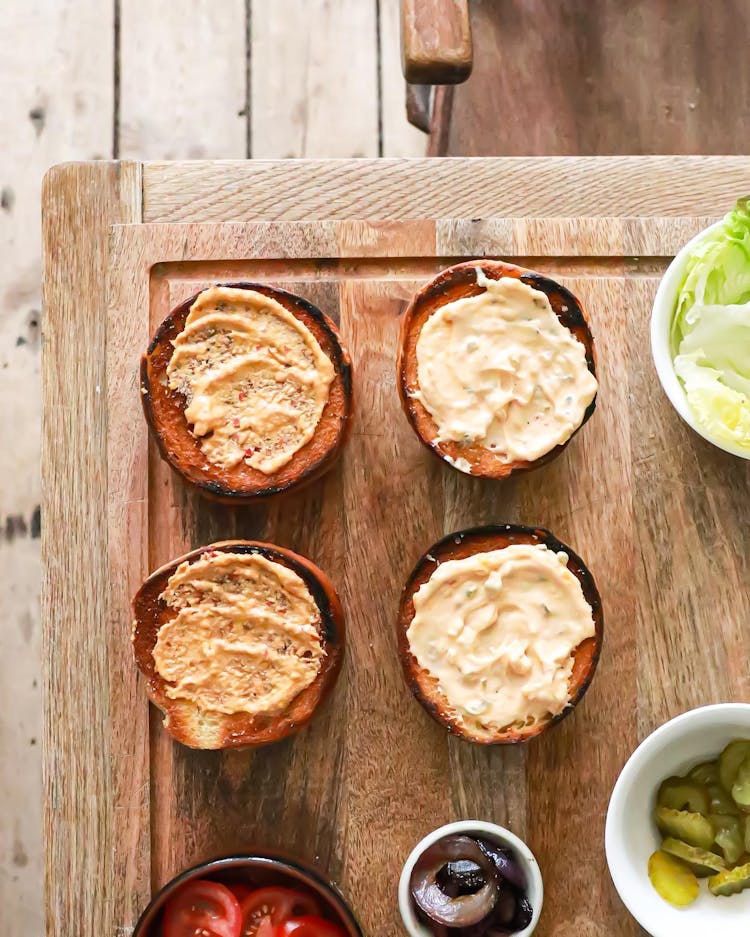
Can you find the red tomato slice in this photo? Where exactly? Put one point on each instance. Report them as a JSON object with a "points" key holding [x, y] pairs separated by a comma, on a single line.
{"points": [[202, 907], [266, 908], [309, 925], [240, 891], [257, 927], [266, 928]]}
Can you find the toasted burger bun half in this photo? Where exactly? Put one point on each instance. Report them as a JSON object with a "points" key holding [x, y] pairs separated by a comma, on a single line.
{"points": [[467, 543], [459, 282], [198, 728], [165, 411]]}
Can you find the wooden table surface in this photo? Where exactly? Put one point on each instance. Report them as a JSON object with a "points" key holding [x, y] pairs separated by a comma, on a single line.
{"points": [[658, 513], [593, 79]]}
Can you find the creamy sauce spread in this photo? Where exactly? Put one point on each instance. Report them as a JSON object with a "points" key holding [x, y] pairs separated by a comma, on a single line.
{"points": [[498, 630], [501, 371], [255, 379], [246, 637]]}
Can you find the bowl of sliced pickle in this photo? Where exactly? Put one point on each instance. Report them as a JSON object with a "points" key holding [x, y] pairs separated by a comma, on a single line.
{"points": [[678, 826]]}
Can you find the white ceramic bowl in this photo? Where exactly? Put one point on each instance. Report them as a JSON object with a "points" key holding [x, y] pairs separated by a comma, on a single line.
{"points": [[493, 833], [661, 320], [631, 837]]}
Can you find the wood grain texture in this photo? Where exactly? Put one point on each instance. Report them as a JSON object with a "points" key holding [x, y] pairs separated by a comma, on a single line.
{"points": [[313, 75], [587, 500], [336, 795], [451, 188], [398, 136], [608, 78], [57, 101], [182, 79], [80, 201], [127, 523], [436, 41]]}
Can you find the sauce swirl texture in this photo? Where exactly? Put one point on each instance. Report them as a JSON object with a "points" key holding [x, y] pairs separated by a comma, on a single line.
{"points": [[500, 370], [255, 379], [497, 630]]}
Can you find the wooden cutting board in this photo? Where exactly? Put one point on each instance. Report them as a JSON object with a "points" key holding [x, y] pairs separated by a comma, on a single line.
{"points": [[658, 515]]}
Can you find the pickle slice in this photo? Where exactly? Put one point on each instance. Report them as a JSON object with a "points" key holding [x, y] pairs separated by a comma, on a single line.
{"points": [[730, 760], [673, 880], [684, 794], [692, 828], [729, 836], [707, 772], [721, 802], [700, 861], [731, 881], [741, 786]]}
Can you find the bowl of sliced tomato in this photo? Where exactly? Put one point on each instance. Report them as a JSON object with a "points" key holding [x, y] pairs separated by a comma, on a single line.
{"points": [[262, 895]]}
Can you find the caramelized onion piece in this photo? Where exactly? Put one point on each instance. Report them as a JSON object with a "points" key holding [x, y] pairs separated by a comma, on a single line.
{"points": [[461, 877], [523, 915], [506, 908], [505, 863], [430, 870]]}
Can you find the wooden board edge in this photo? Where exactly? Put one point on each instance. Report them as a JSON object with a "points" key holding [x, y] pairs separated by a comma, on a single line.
{"points": [[126, 563], [418, 188], [408, 241], [79, 202]]}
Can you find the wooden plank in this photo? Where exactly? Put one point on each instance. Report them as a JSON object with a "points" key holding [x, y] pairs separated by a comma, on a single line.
{"points": [[280, 243], [127, 523], [436, 41], [182, 79], [79, 203], [56, 81], [621, 78], [399, 137], [456, 188], [308, 97]]}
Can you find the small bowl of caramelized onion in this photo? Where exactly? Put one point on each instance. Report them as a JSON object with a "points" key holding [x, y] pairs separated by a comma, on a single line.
{"points": [[470, 879]]}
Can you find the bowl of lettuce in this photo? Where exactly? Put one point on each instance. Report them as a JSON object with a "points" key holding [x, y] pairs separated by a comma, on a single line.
{"points": [[700, 332]]}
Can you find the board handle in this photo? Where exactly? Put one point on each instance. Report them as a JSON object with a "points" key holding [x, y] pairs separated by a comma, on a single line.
{"points": [[436, 46]]}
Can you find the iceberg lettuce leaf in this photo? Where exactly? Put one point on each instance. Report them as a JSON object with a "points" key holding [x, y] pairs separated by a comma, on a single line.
{"points": [[718, 270], [711, 329], [722, 411], [722, 335]]}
